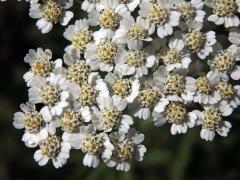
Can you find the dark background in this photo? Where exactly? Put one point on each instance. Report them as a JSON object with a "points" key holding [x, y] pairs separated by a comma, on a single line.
{"points": [[181, 157]]}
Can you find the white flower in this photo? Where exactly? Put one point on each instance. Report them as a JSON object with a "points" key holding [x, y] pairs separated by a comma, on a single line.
{"points": [[107, 15], [225, 63], [77, 69], [52, 148], [126, 147], [229, 93], [175, 56], [52, 92], [135, 62], [103, 55], [131, 31], [73, 118], [41, 64], [93, 144], [225, 12], [148, 99], [109, 114], [79, 35], [234, 36], [191, 12], [203, 86], [89, 5], [200, 42], [33, 122], [85, 95], [51, 12], [174, 85], [161, 16], [127, 88], [177, 114], [211, 121]]}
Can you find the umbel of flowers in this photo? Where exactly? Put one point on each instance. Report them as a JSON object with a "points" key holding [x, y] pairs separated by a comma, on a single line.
{"points": [[127, 60]]}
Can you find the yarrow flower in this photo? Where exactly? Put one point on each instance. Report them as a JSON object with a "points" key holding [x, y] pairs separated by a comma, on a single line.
{"points": [[50, 12], [79, 35], [125, 60], [161, 15], [225, 12], [41, 64]]}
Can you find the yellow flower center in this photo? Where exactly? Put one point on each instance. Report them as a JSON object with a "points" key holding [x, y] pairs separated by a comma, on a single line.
{"points": [[87, 95], [224, 61], [109, 117], [70, 121], [125, 149], [50, 94], [175, 112], [203, 85], [171, 56], [148, 97], [78, 72], [42, 67], [194, 40], [225, 90], [51, 11], [91, 144], [211, 117], [107, 52], [174, 84], [109, 19], [50, 147], [32, 122], [158, 14], [224, 7], [122, 87], [81, 38], [136, 32], [186, 10], [135, 58]]}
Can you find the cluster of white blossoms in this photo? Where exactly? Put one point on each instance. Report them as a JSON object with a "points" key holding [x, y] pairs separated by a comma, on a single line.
{"points": [[159, 60]]}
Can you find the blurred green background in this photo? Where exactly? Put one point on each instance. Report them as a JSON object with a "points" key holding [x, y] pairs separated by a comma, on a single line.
{"points": [[181, 157]]}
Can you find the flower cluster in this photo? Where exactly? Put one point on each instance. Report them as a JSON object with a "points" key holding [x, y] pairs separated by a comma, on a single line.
{"points": [[159, 60]]}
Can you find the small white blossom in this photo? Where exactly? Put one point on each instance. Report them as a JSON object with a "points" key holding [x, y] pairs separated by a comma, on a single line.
{"points": [[103, 55], [110, 116], [41, 64], [79, 35], [200, 42], [50, 12], [33, 122], [203, 86], [135, 62], [225, 12], [224, 63], [133, 32], [52, 92], [175, 56], [174, 85], [177, 115], [126, 147], [52, 148], [148, 99], [191, 12], [161, 16], [93, 144], [107, 15], [211, 120], [127, 88]]}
